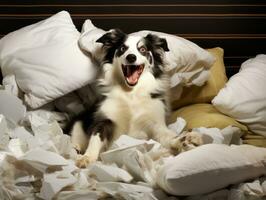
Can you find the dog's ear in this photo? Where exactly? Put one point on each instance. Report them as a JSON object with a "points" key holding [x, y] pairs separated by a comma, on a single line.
{"points": [[113, 38], [157, 41]]}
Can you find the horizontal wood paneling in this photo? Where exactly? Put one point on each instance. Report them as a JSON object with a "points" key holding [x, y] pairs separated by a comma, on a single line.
{"points": [[237, 26], [177, 9], [173, 25], [77, 2]]}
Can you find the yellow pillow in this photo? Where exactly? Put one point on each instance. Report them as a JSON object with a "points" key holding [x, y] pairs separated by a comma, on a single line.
{"points": [[204, 115], [254, 139], [205, 93]]}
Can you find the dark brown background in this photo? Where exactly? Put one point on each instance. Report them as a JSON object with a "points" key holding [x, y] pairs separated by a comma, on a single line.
{"points": [[238, 26]]}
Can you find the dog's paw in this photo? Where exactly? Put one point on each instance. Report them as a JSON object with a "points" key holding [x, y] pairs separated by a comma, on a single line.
{"points": [[84, 160], [187, 141]]}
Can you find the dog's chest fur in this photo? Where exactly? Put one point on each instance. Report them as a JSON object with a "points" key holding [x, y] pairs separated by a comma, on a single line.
{"points": [[129, 110]]}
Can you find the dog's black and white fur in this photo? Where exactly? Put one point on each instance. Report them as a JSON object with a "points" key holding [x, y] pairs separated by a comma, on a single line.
{"points": [[133, 96]]}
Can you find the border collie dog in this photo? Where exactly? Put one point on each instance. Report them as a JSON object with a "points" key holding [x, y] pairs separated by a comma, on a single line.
{"points": [[133, 96]]}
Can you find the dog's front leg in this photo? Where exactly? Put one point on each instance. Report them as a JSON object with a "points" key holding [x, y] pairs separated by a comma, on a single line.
{"points": [[100, 132], [95, 145]]}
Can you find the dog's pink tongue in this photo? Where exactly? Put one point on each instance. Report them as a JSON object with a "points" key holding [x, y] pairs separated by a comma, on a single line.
{"points": [[133, 78]]}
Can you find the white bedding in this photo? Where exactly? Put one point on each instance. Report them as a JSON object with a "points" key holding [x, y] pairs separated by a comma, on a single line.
{"points": [[37, 159], [40, 163], [244, 96], [46, 59]]}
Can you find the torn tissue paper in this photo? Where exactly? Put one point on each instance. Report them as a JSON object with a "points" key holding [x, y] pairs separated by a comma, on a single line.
{"points": [[178, 126], [109, 173], [37, 161], [13, 108], [41, 160], [228, 135], [53, 183]]}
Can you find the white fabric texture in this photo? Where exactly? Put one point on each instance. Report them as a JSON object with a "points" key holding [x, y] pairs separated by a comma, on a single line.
{"points": [[87, 41], [211, 167], [46, 59], [188, 62], [244, 95]]}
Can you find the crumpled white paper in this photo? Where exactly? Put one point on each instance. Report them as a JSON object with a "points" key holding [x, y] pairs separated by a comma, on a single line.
{"points": [[228, 135], [178, 126], [138, 157], [38, 161], [105, 173], [12, 108], [53, 183]]}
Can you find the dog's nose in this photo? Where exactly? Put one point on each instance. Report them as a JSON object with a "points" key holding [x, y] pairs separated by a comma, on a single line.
{"points": [[131, 58]]}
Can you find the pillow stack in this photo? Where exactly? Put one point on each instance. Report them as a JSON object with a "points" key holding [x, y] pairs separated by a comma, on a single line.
{"points": [[244, 96], [205, 115], [187, 63], [48, 63], [46, 59], [195, 106], [211, 167], [204, 94]]}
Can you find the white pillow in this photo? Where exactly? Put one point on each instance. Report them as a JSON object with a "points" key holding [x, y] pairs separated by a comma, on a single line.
{"points": [[244, 95], [189, 62], [211, 167], [87, 41], [46, 59]]}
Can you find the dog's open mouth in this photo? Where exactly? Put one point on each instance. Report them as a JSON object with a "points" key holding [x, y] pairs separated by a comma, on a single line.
{"points": [[132, 73]]}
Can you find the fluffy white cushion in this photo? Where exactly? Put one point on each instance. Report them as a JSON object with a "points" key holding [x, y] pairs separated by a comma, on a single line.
{"points": [[188, 63], [244, 96], [46, 59], [87, 41], [211, 167]]}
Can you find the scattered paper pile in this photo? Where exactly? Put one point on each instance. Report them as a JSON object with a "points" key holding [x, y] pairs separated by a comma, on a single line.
{"points": [[37, 161]]}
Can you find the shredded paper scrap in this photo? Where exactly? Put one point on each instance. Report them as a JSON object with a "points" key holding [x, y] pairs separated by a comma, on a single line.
{"points": [[37, 161]]}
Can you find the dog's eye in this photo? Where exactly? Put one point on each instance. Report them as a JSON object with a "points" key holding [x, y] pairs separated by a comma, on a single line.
{"points": [[142, 49], [122, 48]]}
